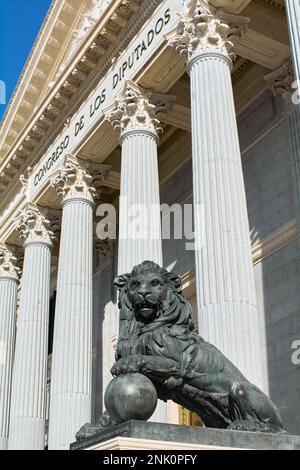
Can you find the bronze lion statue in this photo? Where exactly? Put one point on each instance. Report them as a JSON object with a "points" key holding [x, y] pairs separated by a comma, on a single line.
{"points": [[156, 338]]}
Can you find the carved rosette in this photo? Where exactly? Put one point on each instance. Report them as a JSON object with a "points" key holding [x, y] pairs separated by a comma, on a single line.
{"points": [[136, 109], [204, 29], [8, 263], [34, 227], [73, 181]]}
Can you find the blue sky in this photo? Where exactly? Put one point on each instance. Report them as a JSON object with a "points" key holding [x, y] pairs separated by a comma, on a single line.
{"points": [[20, 21]]}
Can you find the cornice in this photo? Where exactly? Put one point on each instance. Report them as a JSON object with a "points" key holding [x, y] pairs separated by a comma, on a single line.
{"points": [[275, 241], [8, 263], [42, 123]]}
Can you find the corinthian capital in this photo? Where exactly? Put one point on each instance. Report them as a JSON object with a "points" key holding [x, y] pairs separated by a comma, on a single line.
{"points": [[137, 109], [8, 263], [205, 29], [33, 226], [73, 181]]}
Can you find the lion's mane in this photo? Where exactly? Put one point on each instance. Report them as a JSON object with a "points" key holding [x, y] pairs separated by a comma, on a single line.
{"points": [[175, 309]]}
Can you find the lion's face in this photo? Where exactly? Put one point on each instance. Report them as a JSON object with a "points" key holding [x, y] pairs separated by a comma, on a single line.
{"points": [[146, 293]]}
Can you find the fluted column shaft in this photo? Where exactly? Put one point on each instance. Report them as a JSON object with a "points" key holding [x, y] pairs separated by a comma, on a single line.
{"points": [[224, 273], [8, 308], [140, 188], [28, 397], [70, 390], [225, 283], [293, 120]]}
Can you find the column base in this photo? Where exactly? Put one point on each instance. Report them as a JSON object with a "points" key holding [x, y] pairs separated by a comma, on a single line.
{"points": [[140, 435]]}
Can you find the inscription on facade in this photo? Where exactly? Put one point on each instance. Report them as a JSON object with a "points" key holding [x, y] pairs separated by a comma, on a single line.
{"points": [[126, 67]]}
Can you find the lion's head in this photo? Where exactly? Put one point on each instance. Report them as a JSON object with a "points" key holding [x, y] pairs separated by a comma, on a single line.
{"points": [[152, 295]]}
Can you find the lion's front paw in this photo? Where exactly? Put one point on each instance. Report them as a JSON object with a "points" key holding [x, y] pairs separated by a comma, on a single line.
{"points": [[126, 365]]}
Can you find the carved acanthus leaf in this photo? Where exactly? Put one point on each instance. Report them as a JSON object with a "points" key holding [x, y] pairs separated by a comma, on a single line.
{"points": [[99, 173], [104, 250], [25, 176], [89, 19]]}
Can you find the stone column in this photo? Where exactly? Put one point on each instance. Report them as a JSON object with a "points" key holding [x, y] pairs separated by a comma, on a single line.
{"points": [[29, 382], [224, 273], [134, 115], [292, 8], [70, 390], [9, 281]]}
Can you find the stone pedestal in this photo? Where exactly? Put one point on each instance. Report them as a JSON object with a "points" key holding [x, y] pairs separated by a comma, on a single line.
{"points": [[139, 435]]}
